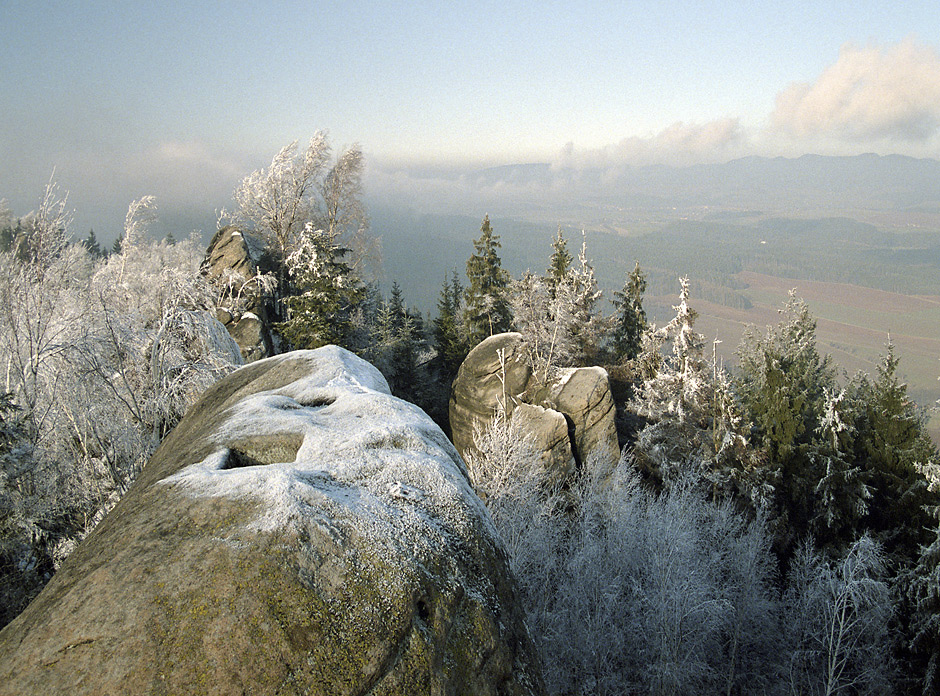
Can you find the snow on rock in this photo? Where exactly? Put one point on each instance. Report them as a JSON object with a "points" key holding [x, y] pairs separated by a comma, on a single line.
{"points": [[300, 531], [233, 259]]}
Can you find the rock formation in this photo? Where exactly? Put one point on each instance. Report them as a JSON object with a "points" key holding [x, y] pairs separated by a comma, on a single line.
{"points": [[233, 258], [497, 372], [300, 531]]}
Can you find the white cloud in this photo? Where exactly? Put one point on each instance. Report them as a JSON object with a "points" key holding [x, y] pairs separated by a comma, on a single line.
{"points": [[678, 145], [888, 93]]}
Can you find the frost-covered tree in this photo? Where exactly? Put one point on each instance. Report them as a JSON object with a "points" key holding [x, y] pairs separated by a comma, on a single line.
{"points": [[627, 591], [322, 311], [629, 322], [782, 386], [101, 359], [560, 261], [298, 188], [302, 189], [695, 424], [841, 487], [507, 472], [921, 589], [41, 304], [838, 616], [486, 305], [892, 445], [557, 316], [278, 201], [681, 387]]}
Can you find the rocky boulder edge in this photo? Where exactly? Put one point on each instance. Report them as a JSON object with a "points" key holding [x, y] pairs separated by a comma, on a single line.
{"points": [[497, 372], [300, 531], [233, 258]]}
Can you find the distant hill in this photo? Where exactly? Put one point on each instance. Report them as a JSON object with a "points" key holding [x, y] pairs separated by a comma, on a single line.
{"points": [[869, 181]]}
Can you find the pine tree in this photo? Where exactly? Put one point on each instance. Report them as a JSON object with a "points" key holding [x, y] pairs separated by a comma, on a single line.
{"points": [[329, 292], [560, 262], [630, 319], [450, 347], [116, 247], [487, 305], [91, 244]]}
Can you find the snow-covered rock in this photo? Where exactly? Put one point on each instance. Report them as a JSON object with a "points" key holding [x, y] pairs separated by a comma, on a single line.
{"points": [[232, 259], [300, 531]]}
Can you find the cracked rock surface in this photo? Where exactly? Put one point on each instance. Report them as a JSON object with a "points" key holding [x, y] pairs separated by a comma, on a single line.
{"points": [[572, 417]]}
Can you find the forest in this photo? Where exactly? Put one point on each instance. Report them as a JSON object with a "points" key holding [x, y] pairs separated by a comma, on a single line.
{"points": [[775, 529]]}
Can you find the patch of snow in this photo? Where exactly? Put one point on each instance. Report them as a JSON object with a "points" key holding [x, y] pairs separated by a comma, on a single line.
{"points": [[366, 457]]}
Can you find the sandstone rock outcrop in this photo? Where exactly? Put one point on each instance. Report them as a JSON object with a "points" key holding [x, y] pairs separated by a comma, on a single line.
{"points": [[496, 372], [232, 259], [300, 531]]}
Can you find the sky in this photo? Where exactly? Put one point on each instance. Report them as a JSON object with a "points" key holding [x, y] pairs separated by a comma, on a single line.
{"points": [[182, 100]]}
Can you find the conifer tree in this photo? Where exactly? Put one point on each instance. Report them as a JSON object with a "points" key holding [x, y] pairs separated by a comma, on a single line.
{"points": [[448, 342], [558, 318], [329, 292], [487, 305], [560, 262], [92, 245], [890, 444], [782, 387], [630, 319]]}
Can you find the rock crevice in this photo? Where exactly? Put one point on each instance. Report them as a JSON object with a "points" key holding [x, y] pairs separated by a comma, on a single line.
{"points": [[571, 417]]}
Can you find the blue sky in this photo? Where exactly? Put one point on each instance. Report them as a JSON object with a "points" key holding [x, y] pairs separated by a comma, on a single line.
{"points": [[182, 99]]}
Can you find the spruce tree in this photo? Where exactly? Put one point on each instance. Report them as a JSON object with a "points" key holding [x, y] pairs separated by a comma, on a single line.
{"points": [[890, 444], [783, 388], [92, 245], [487, 305], [450, 347], [630, 319], [560, 262], [329, 292]]}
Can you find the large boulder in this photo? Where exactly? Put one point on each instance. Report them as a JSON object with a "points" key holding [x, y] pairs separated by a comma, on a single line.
{"points": [[233, 259], [300, 531], [571, 416], [583, 395], [495, 371]]}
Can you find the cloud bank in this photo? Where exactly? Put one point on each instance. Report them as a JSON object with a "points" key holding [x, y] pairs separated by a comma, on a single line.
{"points": [[878, 98], [870, 93], [680, 144]]}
